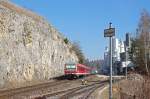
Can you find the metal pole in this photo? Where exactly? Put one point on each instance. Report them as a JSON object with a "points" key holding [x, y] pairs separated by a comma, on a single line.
{"points": [[110, 87], [110, 33], [126, 60]]}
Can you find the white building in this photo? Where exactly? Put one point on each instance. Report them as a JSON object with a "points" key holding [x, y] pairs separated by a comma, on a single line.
{"points": [[117, 48]]}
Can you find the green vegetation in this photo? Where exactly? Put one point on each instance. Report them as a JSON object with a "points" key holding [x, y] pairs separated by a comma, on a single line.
{"points": [[66, 41]]}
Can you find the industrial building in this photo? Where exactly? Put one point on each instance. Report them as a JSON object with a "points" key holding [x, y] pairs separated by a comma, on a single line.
{"points": [[118, 56]]}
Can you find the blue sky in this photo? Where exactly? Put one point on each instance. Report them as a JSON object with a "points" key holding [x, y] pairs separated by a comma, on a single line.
{"points": [[85, 20]]}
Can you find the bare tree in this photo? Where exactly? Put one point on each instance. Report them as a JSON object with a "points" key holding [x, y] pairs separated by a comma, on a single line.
{"points": [[143, 42], [76, 47]]}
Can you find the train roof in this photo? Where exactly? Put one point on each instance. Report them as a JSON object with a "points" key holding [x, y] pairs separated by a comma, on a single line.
{"points": [[82, 65]]}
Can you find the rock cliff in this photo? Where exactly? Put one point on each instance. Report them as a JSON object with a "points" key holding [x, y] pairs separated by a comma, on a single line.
{"points": [[31, 50]]}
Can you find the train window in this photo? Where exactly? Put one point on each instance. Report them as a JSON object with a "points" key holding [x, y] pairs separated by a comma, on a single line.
{"points": [[70, 66]]}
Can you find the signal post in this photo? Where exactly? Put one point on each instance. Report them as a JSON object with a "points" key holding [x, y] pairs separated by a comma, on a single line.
{"points": [[110, 32]]}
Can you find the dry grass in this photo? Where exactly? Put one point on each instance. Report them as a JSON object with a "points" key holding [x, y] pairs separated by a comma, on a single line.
{"points": [[135, 89], [145, 93], [130, 89], [105, 93]]}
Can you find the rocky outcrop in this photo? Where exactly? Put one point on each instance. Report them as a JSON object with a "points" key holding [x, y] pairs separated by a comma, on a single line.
{"points": [[31, 50]]}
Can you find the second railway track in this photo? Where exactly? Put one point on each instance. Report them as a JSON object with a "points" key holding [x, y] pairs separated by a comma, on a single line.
{"points": [[11, 92]]}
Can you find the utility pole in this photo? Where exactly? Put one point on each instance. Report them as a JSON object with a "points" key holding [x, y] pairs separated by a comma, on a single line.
{"points": [[110, 88], [127, 46], [110, 33], [126, 60]]}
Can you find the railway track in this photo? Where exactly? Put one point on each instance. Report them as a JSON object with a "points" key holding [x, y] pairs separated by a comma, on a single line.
{"points": [[57, 89], [89, 94], [85, 90], [15, 91]]}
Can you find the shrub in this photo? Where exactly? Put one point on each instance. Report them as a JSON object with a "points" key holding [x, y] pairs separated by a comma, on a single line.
{"points": [[66, 41]]}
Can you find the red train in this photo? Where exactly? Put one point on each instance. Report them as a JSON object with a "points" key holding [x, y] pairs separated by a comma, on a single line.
{"points": [[76, 70]]}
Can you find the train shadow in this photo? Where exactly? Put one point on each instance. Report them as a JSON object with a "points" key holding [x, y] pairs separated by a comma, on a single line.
{"points": [[42, 97], [63, 77], [68, 77]]}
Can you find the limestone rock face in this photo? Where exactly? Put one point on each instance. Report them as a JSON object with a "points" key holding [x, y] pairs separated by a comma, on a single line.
{"points": [[31, 50]]}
